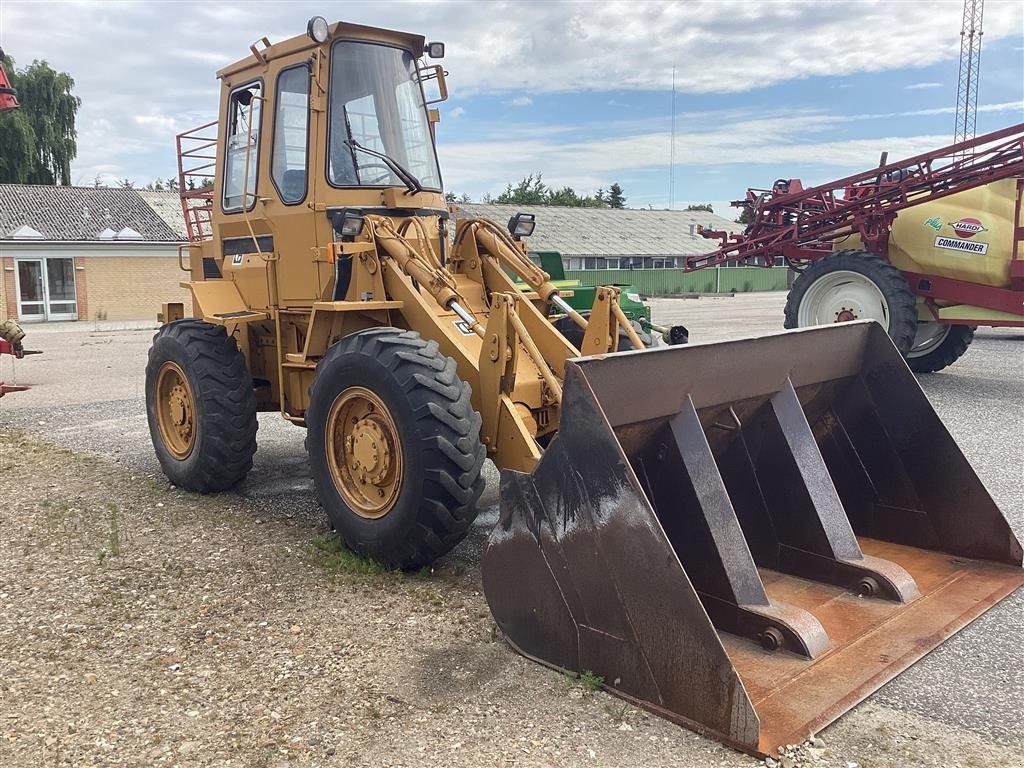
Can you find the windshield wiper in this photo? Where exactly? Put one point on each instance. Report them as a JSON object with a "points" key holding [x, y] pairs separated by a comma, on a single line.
{"points": [[400, 171]]}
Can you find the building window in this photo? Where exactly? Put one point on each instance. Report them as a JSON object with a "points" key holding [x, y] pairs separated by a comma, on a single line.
{"points": [[242, 143], [291, 134], [46, 289]]}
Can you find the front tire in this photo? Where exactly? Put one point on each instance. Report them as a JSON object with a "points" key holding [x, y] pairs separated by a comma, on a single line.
{"points": [[938, 346], [854, 285], [394, 447], [201, 406]]}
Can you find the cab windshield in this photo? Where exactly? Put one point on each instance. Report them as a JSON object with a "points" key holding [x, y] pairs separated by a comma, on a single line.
{"points": [[376, 102]]}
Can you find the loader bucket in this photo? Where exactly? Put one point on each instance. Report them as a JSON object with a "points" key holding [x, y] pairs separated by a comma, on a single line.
{"points": [[747, 537]]}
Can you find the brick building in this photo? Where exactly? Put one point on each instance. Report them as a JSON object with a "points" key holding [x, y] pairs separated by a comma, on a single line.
{"points": [[84, 253]]}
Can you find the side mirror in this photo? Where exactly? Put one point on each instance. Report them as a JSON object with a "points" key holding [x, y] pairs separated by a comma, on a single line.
{"points": [[433, 74]]}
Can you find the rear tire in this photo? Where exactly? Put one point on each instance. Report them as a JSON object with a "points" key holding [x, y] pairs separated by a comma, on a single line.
{"points": [[944, 352], [394, 447], [854, 285], [201, 406]]}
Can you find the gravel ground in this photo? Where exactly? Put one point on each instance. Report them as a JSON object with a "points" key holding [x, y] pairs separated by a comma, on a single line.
{"points": [[141, 625]]}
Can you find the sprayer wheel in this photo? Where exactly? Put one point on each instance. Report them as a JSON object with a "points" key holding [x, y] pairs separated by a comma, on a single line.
{"points": [[938, 346], [854, 285], [394, 447], [201, 406]]}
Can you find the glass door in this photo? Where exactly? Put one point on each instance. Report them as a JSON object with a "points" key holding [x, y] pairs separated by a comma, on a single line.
{"points": [[60, 290], [46, 289], [31, 290]]}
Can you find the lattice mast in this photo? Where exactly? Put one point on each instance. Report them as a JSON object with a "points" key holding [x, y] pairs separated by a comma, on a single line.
{"points": [[970, 67]]}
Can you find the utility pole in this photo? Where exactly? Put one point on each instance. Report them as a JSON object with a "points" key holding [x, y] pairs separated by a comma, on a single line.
{"points": [[970, 67], [672, 149]]}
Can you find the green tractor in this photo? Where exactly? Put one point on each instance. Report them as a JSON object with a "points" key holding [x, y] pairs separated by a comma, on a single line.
{"points": [[582, 299]]}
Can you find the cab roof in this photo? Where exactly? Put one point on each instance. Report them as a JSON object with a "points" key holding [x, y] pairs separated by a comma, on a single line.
{"points": [[338, 31]]}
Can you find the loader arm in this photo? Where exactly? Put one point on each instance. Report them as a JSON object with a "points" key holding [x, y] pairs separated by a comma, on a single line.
{"points": [[500, 338]]}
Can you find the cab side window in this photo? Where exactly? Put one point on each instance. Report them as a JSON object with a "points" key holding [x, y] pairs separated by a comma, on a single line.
{"points": [[291, 134], [241, 151]]}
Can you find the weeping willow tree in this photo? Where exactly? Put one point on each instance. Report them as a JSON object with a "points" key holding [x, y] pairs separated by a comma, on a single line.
{"points": [[38, 141]]}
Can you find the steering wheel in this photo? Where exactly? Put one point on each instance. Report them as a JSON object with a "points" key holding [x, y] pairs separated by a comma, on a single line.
{"points": [[382, 178]]}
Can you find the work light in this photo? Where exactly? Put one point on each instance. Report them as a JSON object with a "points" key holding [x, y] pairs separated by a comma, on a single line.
{"points": [[522, 225], [435, 50], [317, 29], [347, 223]]}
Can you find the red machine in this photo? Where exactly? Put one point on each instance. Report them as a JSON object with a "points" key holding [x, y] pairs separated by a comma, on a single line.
{"points": [[931, 277], [8, 96], [6, 348]]}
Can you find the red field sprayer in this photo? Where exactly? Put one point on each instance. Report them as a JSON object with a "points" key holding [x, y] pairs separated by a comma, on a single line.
{"points": [[8, 96], [930, 246]]}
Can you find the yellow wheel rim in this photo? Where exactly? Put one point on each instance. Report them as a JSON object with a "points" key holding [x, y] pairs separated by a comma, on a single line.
{"points": [[176, 411], [364, 452]]}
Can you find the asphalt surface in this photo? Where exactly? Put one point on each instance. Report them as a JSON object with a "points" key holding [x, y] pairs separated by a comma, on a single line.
{"points": [[88, 395]]}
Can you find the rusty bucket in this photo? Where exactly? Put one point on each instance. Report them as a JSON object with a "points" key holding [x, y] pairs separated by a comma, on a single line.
{"points": [[747, 537]]}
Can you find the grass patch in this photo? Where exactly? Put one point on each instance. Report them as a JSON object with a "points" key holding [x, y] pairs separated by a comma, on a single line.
{"points": [[617, 711], [586, 680], [590, 681], [330, 554]]}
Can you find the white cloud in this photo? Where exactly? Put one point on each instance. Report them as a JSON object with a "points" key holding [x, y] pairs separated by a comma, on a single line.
{"points": [[585, 166], [159, 59], [921, 86], [797, 140], [457, 112], [160, 124], [521, 101]]}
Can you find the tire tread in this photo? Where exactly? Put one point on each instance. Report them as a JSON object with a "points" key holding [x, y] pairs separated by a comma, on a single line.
{"points": [[227, 405], [440, 403], [890, 281]]}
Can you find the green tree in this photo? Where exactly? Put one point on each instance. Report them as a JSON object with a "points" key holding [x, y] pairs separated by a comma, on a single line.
{"points": [[615, 197], [566, 196], [529, 191], [533, 191], [705, 207], [38, 141], [746, 215]]}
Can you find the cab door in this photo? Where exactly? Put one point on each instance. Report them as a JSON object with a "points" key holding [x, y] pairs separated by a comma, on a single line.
{"points": [[291, 201]]}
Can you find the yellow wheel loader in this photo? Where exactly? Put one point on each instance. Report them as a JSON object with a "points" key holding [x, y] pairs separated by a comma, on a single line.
{"points": [[749, 543]]}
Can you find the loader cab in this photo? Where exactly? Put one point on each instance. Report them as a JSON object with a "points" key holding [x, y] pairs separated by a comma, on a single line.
{"points": [[376, 114], [337, 119]]}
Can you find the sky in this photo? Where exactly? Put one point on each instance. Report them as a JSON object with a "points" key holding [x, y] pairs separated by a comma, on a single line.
{"points": [[578, 91]]}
